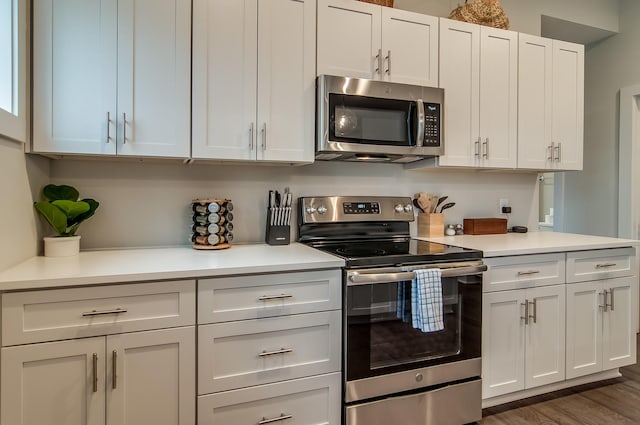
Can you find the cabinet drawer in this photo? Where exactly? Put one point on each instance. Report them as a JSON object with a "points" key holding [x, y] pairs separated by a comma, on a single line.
{"points": [[523, 271], [600, 264], [253, 297], [99, 310], [253, 352], [306, 401]]}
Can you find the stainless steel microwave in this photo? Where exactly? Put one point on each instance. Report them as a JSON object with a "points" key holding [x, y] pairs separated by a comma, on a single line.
{"points": [[367, 120]]}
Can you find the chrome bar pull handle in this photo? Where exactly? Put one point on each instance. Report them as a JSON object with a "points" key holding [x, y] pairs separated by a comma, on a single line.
{"points": [[282, 417], [114, 377], [550, 149], [558, 149], [264, 136], [534, 316], [526, 312], [421, 121], [388, 70], [275, 352], [95, 372], [604, 300], [124, 128], [477, 148], [610, 305], [274, 297], [605, 265], [379, 62], [108, 127], [485, 148], [103, 312], [251, 136], [528, 272]]}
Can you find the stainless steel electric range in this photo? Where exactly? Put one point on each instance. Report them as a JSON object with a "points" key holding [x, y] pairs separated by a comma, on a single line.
{"points": [[393, 372]]}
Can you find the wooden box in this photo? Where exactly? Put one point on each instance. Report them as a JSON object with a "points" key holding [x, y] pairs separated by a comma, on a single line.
{"points": [[484, 226], [430, 225]]}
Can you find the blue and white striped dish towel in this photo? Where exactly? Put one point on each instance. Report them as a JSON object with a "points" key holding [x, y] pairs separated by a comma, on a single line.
{"points": [[426, 300]]}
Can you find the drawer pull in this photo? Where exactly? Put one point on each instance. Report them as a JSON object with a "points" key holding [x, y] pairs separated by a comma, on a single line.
{"points": [[94, 368], [534, 317], [529, 272], [605, 265], [273, 353], [114, 359], [610, 305], [103, 312], [282, 417], [526, 312], [274, 297]]}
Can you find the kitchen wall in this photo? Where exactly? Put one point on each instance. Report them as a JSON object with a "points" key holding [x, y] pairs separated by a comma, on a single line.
{"points": [[147, 204], [22, 178], [591, 195]]}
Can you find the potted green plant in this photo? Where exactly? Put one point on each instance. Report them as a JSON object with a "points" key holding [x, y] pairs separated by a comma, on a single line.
{"points": [[64, 212]]}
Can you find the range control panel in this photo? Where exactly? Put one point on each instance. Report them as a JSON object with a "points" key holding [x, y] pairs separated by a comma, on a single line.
{"points": [[335, 209]]}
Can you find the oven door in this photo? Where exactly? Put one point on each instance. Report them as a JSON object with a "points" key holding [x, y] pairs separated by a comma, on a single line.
{"points": [[384, 352]]}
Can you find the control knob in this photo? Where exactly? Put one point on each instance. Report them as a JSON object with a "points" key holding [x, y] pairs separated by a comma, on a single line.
{"points": [[399, 208], [311, 210], [408, 208], [322, 209]]}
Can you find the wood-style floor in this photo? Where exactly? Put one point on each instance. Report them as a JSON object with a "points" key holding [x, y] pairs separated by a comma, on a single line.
{"points": [[615, 401]]}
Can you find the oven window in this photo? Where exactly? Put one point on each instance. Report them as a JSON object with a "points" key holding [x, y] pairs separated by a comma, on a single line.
{"points": [[369, 120], [381, 338]]}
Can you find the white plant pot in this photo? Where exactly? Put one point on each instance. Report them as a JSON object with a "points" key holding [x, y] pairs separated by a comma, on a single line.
{"points": [[61, 246]]}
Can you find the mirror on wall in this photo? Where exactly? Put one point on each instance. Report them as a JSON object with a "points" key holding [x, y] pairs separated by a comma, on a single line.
{"points": [[546, 182]]}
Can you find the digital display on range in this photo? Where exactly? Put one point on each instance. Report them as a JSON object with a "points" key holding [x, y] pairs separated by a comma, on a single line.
{"points": [[361, 208]]}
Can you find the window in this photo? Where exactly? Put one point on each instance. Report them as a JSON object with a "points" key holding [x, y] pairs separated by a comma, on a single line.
{"points": [[13, 71]]}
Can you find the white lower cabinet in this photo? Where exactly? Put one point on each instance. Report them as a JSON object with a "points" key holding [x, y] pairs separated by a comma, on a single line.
{"points": [[135, 378], [258, 362], [600, 325], [307, 401], [523, 340]]}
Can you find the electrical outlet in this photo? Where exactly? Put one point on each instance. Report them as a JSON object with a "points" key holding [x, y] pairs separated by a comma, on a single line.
{"points": [[503, 203]]}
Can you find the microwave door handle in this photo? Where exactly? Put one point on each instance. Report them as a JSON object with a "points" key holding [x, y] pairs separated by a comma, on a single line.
{"points": [[420, 132]]}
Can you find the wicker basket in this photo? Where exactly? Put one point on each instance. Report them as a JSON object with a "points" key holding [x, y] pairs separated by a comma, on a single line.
{"points": [[483, 12], [388, 3]]}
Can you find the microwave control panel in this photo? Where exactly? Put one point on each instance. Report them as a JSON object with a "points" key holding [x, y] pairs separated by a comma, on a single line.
{"points": [[431, 124]]}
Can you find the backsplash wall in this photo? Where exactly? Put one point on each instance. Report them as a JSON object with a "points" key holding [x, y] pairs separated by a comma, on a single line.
{"points": [[147, 204]]}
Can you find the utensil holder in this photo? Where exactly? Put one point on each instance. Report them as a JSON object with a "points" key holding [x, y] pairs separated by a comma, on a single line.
{"points": [[276, 234], [430, 225]]}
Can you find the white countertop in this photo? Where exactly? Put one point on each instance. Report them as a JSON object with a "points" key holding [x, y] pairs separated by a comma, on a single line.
{"points": [[532, 243], [131, 265]]}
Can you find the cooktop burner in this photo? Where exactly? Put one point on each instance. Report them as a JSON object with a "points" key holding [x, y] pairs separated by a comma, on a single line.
{"points": [[381, 253]]}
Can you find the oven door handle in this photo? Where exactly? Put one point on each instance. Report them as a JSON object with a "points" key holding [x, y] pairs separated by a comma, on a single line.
{"points": [[359, 278]]}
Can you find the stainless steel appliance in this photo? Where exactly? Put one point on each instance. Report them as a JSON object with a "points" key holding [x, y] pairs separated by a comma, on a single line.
{"points": [[394, 373], [366, 120]]}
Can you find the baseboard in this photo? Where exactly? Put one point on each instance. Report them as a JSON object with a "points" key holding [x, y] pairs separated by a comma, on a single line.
{"points": [[507, 398]]}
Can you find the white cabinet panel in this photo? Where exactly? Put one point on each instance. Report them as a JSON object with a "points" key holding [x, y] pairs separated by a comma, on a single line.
{"points": [[53, 383], [584, 328], [600, 264], [619, 325], [523, 271], [252, 352]]}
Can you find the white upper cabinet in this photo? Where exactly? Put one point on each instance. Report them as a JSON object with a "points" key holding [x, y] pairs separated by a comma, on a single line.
{"points": [[478, 71], [254, 80], [112, 77], [551, 104], [363, 40]]}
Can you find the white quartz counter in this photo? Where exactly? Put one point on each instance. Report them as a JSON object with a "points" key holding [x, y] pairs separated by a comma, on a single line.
{"points": [[532, 243], [134, 265]]}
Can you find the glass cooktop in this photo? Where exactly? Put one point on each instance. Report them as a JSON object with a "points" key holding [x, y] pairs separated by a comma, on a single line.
{"points": [[379, 253]]}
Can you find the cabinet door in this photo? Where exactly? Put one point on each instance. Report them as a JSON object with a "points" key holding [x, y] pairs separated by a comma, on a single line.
{"points": [[498, 97], [534, 102], [74, 78], [545, 337], [224, 79], [460, 78], [568, 104], [584, 328], [151, 377], [286, 80], [154, 78], [503, 342], [402, 31], [53, 383], [619, 326], [349, 39]]}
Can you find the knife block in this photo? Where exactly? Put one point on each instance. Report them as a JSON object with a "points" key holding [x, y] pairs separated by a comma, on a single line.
{"points": [[277, 234], [430, 225]]}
